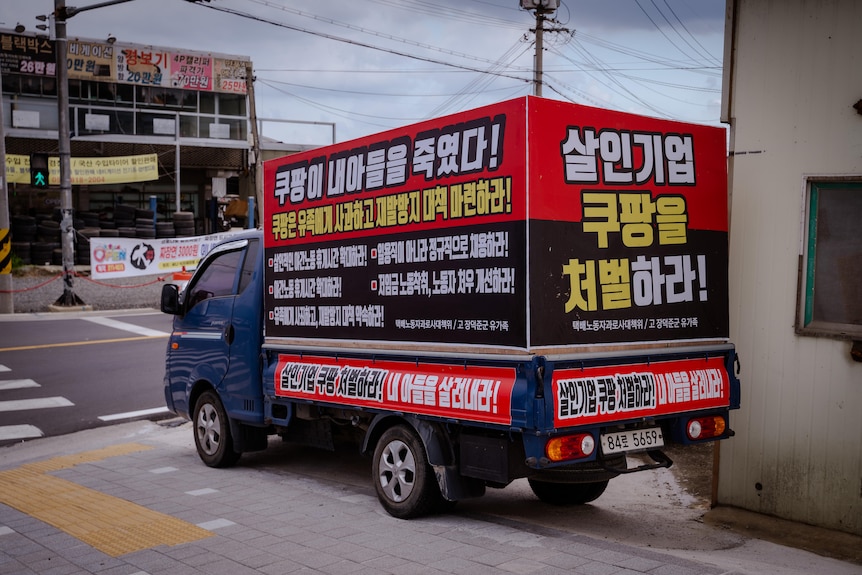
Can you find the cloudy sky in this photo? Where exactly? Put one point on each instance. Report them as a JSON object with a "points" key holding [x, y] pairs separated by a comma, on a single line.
{"points": [[370, 65]]}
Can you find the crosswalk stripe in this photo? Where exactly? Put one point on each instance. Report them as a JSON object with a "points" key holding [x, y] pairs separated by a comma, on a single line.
{"points": [[131, 414], [17, 384], [40, 403], [8, 432], [4, 368], [108, 322]]}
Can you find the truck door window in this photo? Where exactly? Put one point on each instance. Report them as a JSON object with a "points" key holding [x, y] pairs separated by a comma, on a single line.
{"points": [[248, 265], [217, 279]]}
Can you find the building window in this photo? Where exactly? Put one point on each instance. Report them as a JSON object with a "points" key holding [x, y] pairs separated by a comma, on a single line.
{"points": [[231, 104], [830, 280]]}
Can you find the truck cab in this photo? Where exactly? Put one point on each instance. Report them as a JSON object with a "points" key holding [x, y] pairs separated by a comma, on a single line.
{"points": [[214, 349]]}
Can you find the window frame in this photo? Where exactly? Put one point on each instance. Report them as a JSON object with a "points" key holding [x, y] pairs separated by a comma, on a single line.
{"points": [[807, 323]]}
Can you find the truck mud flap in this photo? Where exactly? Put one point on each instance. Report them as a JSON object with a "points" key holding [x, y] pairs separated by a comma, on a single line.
{"points": [[659, 458]]}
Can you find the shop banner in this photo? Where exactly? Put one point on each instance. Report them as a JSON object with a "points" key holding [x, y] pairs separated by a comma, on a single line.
{"points": [[91, 60], [229, 75], [104, 61], [30, 55], [465, 393], [129, 257], [89, 171]]}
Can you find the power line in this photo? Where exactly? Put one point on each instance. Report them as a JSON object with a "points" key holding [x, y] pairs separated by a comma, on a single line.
{"points": [[338, 111], [468, 93], [647, 57], [709, 57], [384, 94], [439, 10], [662, 32], [639, 79], [353, 42], [617, 87], [424, 71], [368, 31]]}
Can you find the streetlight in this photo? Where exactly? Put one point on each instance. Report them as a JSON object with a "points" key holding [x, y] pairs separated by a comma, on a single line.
{"points": [[541, 7], [64, 145]]}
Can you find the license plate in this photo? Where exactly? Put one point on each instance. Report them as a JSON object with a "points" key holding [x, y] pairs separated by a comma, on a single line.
{"points": [[632, 440]]}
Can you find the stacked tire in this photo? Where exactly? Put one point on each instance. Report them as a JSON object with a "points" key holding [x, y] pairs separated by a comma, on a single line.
{"points": [[145, 224], [47, 230], [23, 235], [184, 224], [37, 240], [23, 250], [165, 230], [124, 220], [89, 219], [47, 241], [42, 253], [82, 245], [23, 228]]}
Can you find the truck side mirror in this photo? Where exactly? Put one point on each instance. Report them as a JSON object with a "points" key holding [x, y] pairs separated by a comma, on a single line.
{"points": [[170, 299]]}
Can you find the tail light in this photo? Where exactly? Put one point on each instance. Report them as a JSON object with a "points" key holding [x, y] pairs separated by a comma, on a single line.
{"points": [[705, 427], [570, 447]]}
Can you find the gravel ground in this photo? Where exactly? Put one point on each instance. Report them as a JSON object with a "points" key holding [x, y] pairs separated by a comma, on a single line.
{"points": [[38, 287]]}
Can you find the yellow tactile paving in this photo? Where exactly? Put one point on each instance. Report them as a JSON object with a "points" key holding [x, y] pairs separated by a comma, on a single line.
{"points": [[110, 524], [66, 461]]}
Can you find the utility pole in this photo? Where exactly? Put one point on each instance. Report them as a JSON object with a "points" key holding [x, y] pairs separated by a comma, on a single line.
{"points": [[255, 143], [542, 7], [6, 300], [64, 145]]}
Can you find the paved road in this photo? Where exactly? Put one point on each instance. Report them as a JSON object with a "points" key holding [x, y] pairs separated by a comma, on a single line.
{"points": [[61, 373]]}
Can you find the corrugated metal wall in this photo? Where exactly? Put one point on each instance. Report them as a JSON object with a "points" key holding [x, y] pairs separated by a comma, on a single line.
{"points": [[796, 74]]}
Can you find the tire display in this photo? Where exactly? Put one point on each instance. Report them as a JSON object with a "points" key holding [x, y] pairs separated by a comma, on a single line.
{"points": [[36, 239]]}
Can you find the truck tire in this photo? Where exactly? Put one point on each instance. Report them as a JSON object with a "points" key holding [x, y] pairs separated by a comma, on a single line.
{"points": [[403, 479], [567, 493], [212, 432]]}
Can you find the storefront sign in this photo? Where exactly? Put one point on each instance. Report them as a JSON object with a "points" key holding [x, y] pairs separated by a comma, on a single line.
{"points": [[89, 171]]}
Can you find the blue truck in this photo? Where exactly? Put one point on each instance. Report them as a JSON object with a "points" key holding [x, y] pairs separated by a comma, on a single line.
{"points": [[516, 291]]}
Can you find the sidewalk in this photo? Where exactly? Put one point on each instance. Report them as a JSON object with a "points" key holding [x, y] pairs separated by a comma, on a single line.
{"points": [[134, 499]]}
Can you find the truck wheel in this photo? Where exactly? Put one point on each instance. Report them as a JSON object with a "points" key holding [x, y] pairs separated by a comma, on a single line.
{"points": [[212, 432], [403, 479], [567, 493]]}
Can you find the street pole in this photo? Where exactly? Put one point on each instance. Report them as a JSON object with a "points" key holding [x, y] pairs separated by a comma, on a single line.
{"points": [[537, 66], [542, 7], [6, 300], [64, 145], [255, 142], [67, 228]]}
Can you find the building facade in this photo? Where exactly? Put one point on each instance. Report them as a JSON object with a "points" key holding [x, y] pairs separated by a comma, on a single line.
{"points": [[793, 99], [182, 115]]}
